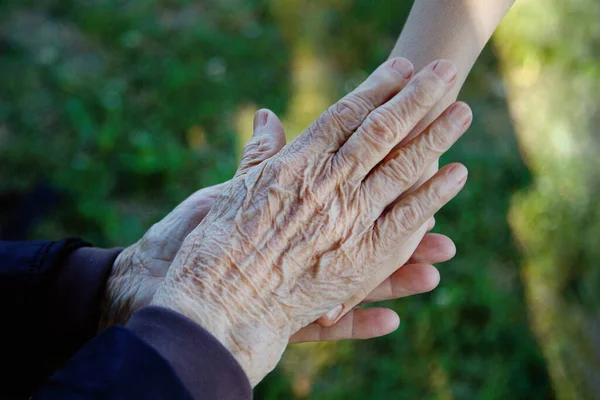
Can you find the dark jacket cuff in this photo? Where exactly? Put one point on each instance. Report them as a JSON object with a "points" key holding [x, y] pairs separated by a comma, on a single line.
{"points": [[203, 364], [76, 295]]}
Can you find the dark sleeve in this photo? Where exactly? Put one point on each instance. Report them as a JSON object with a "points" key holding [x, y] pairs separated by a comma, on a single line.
{"points": [[50, 294], [159, 355]]}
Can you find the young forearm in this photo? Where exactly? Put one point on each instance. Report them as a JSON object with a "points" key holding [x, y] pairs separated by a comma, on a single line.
{"points": [[451, 29]]}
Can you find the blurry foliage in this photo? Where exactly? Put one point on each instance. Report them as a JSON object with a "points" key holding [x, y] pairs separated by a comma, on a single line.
{"points": [[106, 100], [130, 106], [551, 58]]}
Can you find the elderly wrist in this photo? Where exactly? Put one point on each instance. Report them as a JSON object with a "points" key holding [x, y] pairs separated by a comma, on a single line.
{"points": [[255, 339], [115, 309]]}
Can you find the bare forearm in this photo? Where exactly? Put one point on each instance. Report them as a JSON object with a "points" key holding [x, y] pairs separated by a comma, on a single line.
{"points": [[456, 30]]}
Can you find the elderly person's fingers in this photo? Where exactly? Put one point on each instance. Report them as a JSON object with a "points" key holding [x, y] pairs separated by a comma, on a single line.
{"points": [[408, 280], [342, 119], [386, 126], [416, 277], [396, 176], [268, 139], [430, 224], [406, 216], [410, 212], [404, 166], [360, 323]]}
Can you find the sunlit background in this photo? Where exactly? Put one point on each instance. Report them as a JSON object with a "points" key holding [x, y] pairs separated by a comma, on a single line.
{"points": [[112, 112]]}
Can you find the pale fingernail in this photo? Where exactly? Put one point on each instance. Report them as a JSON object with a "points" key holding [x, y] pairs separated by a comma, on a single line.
{"points": [[334, 313], [457, 175], [260, 120], [404, 67], [445, 70], [431, 223], [461, 113]]}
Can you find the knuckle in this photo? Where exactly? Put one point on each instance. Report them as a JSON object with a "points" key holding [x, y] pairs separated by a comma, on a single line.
{"points": [[402, 170], [436, 140], [382, 126], [265, 149], [411, 214], [401, 114], [257, 151], [353, 161], [350, 111], [417, 156], [425, 94], [250, 149], [434, 194]]}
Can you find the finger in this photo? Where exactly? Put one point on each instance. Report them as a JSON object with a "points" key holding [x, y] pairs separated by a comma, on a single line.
{"points": [[380, 275], [404, 166], [173, 228], [363, 323], [434, 248], [403, 222], [431, 224], [408, 280], [427, 174], [409, 213], [268, 139], [387, 125], [199, 203], [419, 275], [340, 121]]}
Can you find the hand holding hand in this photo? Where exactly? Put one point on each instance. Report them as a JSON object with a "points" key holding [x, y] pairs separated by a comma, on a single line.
{"points": [[141, 268], [293, 236]]}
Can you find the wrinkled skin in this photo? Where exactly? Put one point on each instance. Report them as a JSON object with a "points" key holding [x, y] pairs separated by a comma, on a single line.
{"points": [[294, 236], [140, 268]]}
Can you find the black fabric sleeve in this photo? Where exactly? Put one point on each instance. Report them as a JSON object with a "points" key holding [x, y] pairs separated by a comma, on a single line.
{"points": [[159, 355], [115, 365], [204, 365], [50, 293]]}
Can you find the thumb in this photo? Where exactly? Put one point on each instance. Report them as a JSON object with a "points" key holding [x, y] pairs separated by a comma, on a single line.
{"points": [[268, 139]]}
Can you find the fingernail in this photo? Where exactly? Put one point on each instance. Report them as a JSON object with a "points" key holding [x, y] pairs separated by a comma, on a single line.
{"points": [[260, 120], [431, 223], [461, 113], [458, 174], [404, 67], [334, 313], [445, 70]]}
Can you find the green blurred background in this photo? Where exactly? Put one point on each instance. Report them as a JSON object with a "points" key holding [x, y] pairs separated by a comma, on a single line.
{"points": [[116, 110]]}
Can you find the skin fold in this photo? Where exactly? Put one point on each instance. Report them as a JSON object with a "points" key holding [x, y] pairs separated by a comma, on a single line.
{"points": [[293, 236]]}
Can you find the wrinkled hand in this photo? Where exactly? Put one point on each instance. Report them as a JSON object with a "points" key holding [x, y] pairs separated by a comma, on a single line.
{"points": [[391, 268], [140, 268], [290, 238]]}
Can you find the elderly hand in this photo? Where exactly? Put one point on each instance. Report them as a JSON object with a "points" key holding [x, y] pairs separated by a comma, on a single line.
{"points": [[140, 268], [293, 236]]}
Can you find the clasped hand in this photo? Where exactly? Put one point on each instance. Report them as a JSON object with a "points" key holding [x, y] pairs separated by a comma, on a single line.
{"points": [[295, 235]]}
